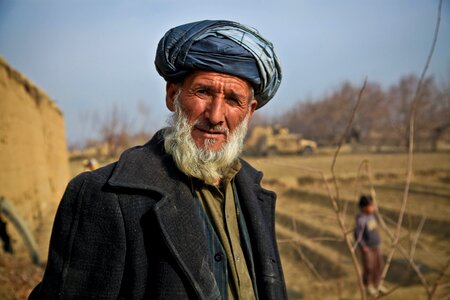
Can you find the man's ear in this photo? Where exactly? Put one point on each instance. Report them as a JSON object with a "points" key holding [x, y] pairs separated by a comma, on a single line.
{"points": [[171, 91], [252, 108]]}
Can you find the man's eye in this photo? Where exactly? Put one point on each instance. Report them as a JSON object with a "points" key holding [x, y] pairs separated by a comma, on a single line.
{"points": [[203, 92], [233, 100]]}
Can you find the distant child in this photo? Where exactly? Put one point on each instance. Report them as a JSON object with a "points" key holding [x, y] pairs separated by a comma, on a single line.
{"points": [[368, 238]]}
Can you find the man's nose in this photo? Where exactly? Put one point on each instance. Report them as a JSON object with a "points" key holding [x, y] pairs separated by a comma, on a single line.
{"points": [[215, 112]]}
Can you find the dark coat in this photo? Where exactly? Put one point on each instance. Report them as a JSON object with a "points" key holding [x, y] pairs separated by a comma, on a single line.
{"points": [[128, 231]]}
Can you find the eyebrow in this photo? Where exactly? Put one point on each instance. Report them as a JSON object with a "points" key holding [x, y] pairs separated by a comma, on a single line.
{"points": [[234, 95], [228, 94], [203, 86]]}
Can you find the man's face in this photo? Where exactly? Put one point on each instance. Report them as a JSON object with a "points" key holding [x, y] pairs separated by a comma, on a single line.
{"points": [[215, 103]]}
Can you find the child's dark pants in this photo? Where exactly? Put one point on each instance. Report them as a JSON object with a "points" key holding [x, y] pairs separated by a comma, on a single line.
{"points": [[372, 265]]}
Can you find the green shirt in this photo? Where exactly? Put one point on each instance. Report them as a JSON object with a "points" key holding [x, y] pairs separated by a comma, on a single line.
{"points": [[220, 206]]}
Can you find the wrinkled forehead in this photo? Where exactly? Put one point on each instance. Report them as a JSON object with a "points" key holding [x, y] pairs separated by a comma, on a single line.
{"points": [[218, 83]]}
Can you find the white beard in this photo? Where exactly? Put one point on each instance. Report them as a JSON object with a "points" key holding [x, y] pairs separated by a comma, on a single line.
{"points": [[202, 163]]}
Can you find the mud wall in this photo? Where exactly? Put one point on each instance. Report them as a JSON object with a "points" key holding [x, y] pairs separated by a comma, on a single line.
{"points": [[34, 167]]}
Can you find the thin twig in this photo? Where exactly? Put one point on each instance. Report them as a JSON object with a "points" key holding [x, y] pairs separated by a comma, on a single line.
{"points": [[409, 173], [335, 200], [299, 250], [416, 236], [433, 46], [307, 262], [433, 289], [328, 239], [343, 137]]}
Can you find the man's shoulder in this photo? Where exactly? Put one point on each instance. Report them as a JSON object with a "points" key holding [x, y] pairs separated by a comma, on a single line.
{"points": [[249, 176], [248, 170], [99, 178], [92, 179]]}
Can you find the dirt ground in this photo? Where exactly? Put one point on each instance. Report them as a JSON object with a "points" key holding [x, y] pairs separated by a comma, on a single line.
{"points": [[304, 214]]}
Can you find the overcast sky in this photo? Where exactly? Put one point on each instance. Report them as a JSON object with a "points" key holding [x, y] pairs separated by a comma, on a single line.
{"points": [[90, 55]]}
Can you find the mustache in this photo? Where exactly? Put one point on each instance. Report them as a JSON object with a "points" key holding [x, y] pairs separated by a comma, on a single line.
{"points": [[205, 125]]}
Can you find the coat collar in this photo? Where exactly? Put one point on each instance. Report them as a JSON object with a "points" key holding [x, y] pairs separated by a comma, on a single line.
{"points": [[147, 167]]}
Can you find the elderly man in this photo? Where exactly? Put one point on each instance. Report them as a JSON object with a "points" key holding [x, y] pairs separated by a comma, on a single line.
{"points": [[181, 217]]}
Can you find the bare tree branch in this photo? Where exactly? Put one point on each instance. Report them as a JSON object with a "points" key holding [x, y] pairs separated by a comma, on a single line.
{"points": [[409, 174], [416, 236], [307, 262], [335, 200], [441, 275], [342, 139]]}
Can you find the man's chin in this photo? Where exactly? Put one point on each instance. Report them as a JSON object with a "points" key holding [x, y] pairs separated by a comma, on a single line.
{"points": [[210, 145]]}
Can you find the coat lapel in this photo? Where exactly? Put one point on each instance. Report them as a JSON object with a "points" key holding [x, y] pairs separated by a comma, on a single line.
{"points": [[258, 206], [181, 228], [149, 168]]}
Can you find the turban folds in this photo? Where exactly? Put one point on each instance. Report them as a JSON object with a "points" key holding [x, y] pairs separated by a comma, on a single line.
{"points": [[220, 46]]}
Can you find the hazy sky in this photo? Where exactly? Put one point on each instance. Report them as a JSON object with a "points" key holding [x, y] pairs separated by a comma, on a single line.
{"points": [[90, 55]]}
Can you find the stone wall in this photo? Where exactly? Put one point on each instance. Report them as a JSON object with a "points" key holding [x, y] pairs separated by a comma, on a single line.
{"points": [[34, 167]]}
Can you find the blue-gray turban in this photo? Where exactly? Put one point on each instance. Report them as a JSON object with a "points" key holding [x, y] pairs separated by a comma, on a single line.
{"points": [[220, 46]]}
